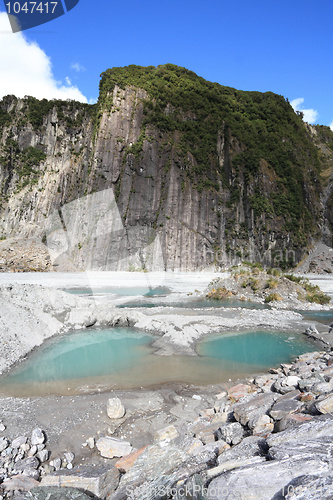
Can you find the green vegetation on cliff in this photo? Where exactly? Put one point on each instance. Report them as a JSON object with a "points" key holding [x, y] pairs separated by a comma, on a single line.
{"points": [[71, 112], [252, 170], [24, 163], [266, 129]]}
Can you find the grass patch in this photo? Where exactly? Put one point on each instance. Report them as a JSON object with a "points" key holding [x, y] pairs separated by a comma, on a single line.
{"points": [[272, 297], [271, 283], [294, 279], [314, 294], [318, 297], [219, 293]]}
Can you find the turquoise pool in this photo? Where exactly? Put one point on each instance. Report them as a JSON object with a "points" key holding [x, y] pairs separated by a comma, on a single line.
{"points": [[98, 360]]}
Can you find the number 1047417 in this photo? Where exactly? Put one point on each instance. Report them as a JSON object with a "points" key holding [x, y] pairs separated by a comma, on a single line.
{"points": [[31, 7]]}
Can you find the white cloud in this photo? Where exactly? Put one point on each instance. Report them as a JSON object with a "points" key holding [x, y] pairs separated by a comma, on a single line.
{"points": [[25, 69], [331, 125], [78, 67], [310, 115], [93, 100]]}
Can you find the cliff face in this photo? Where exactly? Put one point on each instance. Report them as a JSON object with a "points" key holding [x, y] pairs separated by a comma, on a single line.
{"points": [[166, 171]]}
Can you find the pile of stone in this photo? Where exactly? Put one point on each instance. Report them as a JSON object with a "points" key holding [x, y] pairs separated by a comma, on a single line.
{"points": [[269, 437], [25, 460], [24, 255]]}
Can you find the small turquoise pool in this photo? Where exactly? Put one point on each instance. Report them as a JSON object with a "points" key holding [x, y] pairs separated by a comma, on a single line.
{"points": [[83, 354], [261, 349], [100, 360]]}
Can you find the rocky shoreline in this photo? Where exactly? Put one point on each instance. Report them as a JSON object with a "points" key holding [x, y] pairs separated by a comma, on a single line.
{"points": [[266, 437]]}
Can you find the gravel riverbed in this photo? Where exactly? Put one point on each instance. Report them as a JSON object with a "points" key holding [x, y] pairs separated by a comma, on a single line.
{"points": [[212, 439]]}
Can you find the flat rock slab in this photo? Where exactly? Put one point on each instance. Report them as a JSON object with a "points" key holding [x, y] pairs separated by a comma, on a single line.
{"points": [[292, 420], [249, 413], [325, 405], [308, 488], [262, 481], [239, 391], [250, 446], [155, 462], [111, 447], [55, 493], [126, 463], [282, 408], [20, 482], [315, 429], [100, 481], [320, 448]]}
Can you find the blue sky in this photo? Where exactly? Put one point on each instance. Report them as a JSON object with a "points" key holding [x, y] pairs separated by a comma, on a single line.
{"points": [[279, 46]]}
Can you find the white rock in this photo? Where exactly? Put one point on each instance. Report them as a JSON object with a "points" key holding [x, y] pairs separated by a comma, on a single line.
{"points": [[111, 447], [3, 444], [17, 442], [37, 437], [164, 436], [221, 395], [33, 450], [91, 443], [56, 463], [197, 397], [115, 408], [2, 427], [69, 456], [43, 455], [291, 381]]}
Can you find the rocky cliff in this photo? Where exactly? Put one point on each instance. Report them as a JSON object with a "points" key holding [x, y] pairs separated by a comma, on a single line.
{"points": [[166, 171]]}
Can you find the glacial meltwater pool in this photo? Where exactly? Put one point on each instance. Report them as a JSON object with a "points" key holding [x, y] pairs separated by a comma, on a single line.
{"points": [[98, 360]]}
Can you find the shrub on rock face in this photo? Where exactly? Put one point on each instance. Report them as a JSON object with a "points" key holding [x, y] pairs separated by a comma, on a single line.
{"points": [[271, 283], [318, 298], [314, 294], [219, 293]]}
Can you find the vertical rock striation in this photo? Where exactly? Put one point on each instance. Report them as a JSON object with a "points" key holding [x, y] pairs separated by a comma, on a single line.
{"points": [[165, 171]]}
